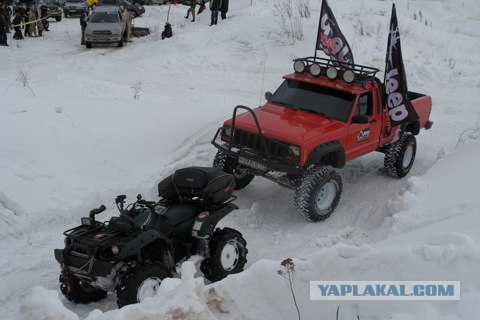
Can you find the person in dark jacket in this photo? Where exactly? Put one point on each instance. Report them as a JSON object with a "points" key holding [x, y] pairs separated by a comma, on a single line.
{"points": [[83, 24], [215, 6], [24, 13], [17, 20], [43, 13], [3, 25], [224, 9]]}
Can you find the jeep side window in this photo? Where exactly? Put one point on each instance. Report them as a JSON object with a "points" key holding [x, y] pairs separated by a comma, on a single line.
{"points": [[365, 105]]}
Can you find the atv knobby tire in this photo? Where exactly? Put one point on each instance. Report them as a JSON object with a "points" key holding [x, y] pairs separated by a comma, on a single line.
{"points": [[318, 194], [77, 292], [230, 165], [400, 155], [142, 282], [228, 255]]}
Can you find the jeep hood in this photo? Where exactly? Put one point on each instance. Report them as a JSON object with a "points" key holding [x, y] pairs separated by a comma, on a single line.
{"points": [[286, 124]]}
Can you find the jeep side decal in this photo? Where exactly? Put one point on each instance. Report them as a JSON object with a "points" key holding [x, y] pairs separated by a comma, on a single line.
{"points": [[363, 134]]}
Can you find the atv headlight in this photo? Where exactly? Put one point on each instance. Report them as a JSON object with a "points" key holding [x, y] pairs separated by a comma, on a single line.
{"points": [[115, 250], [294, 150]]}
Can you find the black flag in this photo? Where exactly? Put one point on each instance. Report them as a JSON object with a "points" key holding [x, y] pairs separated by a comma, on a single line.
{"points": [[400, 108], [330, 39]]}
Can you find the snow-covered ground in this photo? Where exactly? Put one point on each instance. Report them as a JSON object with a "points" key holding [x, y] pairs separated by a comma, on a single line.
{"points": [[74, 138]]}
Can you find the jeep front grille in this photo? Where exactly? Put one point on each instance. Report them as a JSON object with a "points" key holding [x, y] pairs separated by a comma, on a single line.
{"points": [[252, 141], [102, 32]]}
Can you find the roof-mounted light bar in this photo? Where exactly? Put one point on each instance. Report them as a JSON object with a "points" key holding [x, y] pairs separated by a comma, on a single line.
{"points": [[334, 69], [299, 66], [315, 69]]}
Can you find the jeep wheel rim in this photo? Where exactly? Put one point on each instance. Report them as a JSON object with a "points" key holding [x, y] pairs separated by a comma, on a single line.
{"points": [[148, 288], [407, 156], [325, 196], [229, 256]]}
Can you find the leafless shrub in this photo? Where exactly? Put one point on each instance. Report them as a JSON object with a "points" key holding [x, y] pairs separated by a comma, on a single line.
{"points": [[303, 7], [338, 312], [288, 273], [450, 62], [136, 88], [23, 76], [290, 25]]}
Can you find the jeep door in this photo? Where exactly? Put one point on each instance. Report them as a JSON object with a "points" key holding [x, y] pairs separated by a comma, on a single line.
{"points": [[364, 137]]}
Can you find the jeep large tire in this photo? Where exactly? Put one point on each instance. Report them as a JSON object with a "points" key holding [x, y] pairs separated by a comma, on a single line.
{"points": [[140, 284], [78, 292], [228, 255], [120, 43], [58, 18], [230, 165], [88, 44], [400, 155], [318, 194]]}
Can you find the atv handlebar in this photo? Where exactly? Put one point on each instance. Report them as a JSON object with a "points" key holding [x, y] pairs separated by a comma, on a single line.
{"points": [[97, 211]]}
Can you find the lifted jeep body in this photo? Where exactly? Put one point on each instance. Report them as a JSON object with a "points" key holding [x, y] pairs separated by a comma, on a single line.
{"points": [[312, 123]]}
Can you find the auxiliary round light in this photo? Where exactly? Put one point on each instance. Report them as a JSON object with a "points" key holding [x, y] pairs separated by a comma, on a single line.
{"points": [[115, 250], [299, 66], [315, 69], [348, 76], [332, 73]]}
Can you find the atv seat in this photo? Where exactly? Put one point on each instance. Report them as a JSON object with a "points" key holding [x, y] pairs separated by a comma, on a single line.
{"points": [[212, 185], [176, 213]]}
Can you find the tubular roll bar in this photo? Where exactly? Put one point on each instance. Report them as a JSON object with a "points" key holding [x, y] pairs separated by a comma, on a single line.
{"points": [[266, 151]]}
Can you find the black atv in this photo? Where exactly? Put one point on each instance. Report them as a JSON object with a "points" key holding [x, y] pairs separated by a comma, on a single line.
{"points": [[131, 254]]}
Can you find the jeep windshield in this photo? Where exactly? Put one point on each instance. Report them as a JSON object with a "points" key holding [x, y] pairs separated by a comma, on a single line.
{"points": [[327, 102], [104, 17]]}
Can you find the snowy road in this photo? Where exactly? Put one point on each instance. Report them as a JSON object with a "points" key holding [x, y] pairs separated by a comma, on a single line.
{"points": [[76, 139]]}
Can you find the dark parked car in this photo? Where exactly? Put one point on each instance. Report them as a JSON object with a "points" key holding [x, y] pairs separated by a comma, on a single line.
{"points": [[137, 9], [73, 7]]}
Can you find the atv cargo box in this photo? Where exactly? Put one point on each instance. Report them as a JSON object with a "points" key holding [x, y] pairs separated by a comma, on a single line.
{"points": [[211, 184]]}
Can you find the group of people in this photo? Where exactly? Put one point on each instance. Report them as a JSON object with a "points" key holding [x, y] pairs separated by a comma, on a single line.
{"points": [[33, 19], [216, 6]]}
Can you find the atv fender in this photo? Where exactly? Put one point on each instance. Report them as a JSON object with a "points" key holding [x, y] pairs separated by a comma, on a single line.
{"points": [[330, 153], [205, 225], [136, 244]]}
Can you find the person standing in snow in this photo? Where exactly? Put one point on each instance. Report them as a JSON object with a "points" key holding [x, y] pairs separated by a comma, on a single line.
{"points": [[43, 15], [33, 25], [39, 23], [215, 6], [224, 9], [128, 18], [17, 20], [193, 4], [83, 24], [25, 19], [3, 27]]}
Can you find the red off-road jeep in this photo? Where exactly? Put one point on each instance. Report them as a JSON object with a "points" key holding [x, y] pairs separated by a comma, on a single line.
{"points": [[319, 118]]}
